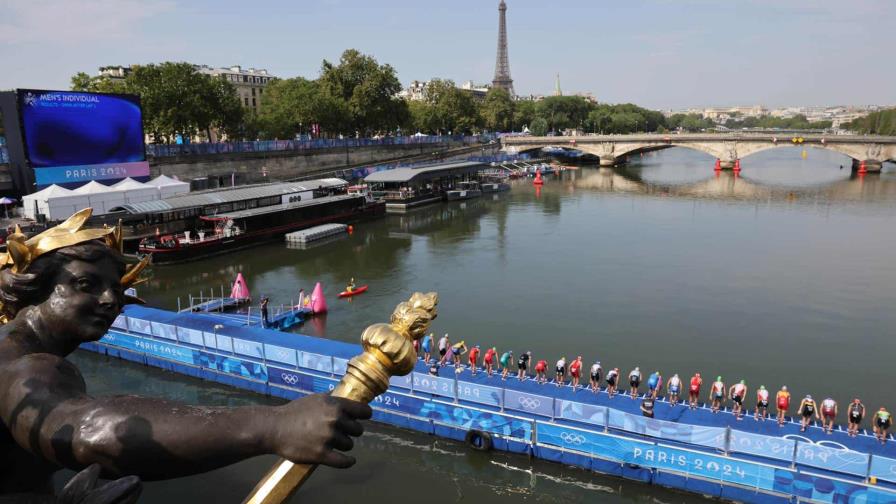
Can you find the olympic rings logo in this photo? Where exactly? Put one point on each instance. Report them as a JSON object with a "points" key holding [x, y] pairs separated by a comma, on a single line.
{"points": [[529, 402], [289, 378], [572, 438]]}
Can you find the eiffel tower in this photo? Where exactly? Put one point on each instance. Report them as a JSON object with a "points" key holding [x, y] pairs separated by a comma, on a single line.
{"points": [[502, 64]]}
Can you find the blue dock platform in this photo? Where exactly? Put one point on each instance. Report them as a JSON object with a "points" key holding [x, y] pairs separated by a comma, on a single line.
{"points": [[693, 450]]}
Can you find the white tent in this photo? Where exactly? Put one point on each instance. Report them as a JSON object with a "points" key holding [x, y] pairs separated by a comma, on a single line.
{"points": [[54, 203], [137, 192], [169, 186], [102, 198]]}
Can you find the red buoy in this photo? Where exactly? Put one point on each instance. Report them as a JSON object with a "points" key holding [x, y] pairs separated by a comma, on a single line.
{"points": [[737, 165], [862, 168], [350, 229], [538, 180], [718, 164]]}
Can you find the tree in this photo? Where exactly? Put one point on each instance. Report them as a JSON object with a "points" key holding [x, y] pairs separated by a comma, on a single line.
{"points": [[497, 110], [881, 122], [524, 112], [449, 109], [539, 126], [368, 90], [563, 112], [100, 84]]}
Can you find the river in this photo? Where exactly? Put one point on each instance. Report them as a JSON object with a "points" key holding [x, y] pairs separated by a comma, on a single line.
{"points": [[782, 275]]}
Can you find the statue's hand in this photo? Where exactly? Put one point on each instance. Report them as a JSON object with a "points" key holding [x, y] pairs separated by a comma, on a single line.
{"points": [[310, 430], [83, 489]]}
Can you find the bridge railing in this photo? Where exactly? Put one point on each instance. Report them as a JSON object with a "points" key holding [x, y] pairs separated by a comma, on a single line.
{"points": [[198, 149]]}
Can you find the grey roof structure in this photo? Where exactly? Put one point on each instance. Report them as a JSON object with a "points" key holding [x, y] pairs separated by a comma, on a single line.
{"points": [[399, 175], [229, 195]]}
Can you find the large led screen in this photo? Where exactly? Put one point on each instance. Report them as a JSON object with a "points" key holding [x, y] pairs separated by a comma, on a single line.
{"points": [[73, 137]]}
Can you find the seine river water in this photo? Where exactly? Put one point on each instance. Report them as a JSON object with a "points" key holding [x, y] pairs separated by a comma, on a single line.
{"points": [[783, 275]]}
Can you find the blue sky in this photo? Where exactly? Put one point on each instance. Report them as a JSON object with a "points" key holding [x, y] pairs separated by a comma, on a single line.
{"points": [[659, 54]]}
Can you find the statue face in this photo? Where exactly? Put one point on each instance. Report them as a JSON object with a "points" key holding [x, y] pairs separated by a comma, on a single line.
{"points": [[85, 301]]}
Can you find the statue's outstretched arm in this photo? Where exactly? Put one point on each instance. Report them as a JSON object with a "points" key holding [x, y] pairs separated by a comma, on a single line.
{"points": [[44, 404]]}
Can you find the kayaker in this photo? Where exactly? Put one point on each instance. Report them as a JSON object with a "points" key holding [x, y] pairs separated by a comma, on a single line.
{"points": [[694, 390], [674, 389], [634, 379], [882, 424], [807, 409], [596, 371], [655, 383], [828, 414], [560, 377], [575, 371], [761, 403], [474, 358], [782, 403], [457, 350], [717, 394], [612, 378], [541, 369], [443, 348], [523, 365], [737, 393], [506, 358], [351, 286], [489, 360], [426, 345], [855, 414]]}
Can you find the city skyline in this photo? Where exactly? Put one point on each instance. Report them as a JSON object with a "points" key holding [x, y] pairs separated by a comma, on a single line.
{"points": [[662, 55]]}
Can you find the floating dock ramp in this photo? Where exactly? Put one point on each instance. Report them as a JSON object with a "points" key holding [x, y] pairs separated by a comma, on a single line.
{"points": [[691, 450], [306, 236]]}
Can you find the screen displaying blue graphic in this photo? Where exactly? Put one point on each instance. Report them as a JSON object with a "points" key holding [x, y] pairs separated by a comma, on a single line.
{"points": [[65, 128]]}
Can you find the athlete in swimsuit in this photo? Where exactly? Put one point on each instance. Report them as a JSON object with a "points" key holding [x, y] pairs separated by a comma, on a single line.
{"points": [[474, 358], [655, 383], [855, 413], [489, 360], [444, 343], [807, 409], [761, 403], [828, 414], [694, 390], [561, 371], [506, 357], [634, 379], [737, 393], [457, 350], [717, 394], [575, 370], [782, 402], [523, 365], [595, 376], [427, 347], [882, 424], [674, 389], [541, 370], [612, 377]]}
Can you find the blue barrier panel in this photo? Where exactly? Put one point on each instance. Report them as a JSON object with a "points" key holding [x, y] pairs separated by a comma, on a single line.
{"points": [[482, 394], [224, 343], [139, 326], [234, 366], [466, 418], [832, 459], [760, 445], [191, 336], [827, 490], [399, 402], [166, 331], [529, 403], [883, 468], [280, 354], [339, 365], [248, 348], [317, 362], [210, 339], [154, 348], [401, 381], [433, 385], [121, 322], [580, 412], [302, 381], [694, 434]]}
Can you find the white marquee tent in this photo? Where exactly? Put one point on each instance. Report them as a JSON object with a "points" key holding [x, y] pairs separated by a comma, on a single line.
{"points": [[54, 202], [169, 186], [136, 192], [102, 198]]}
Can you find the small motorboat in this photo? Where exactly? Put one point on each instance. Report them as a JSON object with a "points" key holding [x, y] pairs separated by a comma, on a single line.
{"points": [[358, 290]]}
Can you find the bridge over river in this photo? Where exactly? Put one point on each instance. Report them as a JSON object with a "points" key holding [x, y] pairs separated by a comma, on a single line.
{"points": [[868, 152]]}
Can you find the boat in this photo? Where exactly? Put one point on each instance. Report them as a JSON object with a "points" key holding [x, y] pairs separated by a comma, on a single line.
{"points": [[494, 187], [358, 290], [464, 190], [694, 450], [244, 228]]}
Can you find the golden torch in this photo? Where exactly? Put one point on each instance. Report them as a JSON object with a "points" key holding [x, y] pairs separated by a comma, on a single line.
{"points": [[388, 351]]}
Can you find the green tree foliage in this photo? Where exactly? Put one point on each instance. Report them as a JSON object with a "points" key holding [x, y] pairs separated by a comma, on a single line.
{"points": [[368, 91], [539, 126], [497, 110], [85, 83], [523, 114], [688, 122], [882, 122], [563, 112], [447, 109], [290, 106], [797, 122]]}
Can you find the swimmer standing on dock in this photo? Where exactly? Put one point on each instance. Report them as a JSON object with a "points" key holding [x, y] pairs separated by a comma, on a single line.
{"points": [[575, 371], [523, 365], [807, 409], [737, 393], [828, 414], [596, 371], [761, 403], [882, 424], [717, 394], [782, 402], [634, 379], [612, 378], [674, 389], [541, 371], [426, 345], [474, 358], [694, 390], [489, 360], [561, 371], [855, 414], [506, 358]]}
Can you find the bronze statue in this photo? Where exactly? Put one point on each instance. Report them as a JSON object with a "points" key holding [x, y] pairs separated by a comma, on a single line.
{"points": [[66, 286]]}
